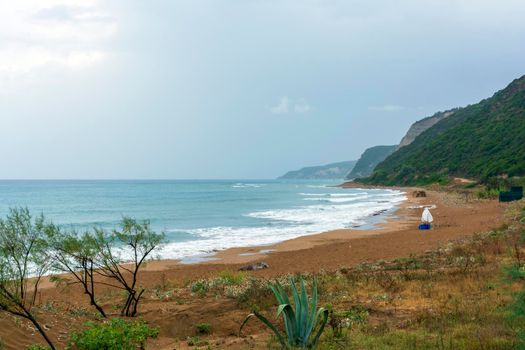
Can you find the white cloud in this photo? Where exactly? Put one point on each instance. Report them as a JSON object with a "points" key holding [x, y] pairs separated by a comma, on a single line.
{"points": [[58, 34], [301, 106], [287, 105], [386, 108], [283, 107]]}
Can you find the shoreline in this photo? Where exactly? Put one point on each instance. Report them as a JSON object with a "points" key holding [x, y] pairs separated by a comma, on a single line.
{"points": [[398, 236], [390, 221]]}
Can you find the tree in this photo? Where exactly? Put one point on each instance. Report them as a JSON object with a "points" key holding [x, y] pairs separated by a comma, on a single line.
{"points": [[23, 262], [122, 253], [75, 254]]}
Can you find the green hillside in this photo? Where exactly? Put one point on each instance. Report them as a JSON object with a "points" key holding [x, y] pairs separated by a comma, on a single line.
{"points": [[479, 141], [369, 159]]}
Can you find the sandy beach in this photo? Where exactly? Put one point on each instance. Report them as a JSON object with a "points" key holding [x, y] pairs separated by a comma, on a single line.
{"points": [[455, 217]]}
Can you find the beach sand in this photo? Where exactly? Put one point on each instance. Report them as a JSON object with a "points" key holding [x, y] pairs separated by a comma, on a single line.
{"points": [[455, 217]]}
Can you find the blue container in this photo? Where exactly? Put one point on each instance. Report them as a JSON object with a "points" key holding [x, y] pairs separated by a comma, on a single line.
{"points": [[424, 226], [515, 194]]}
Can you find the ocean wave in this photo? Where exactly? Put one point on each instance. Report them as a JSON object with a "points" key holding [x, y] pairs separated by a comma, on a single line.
{"points": [[332, 194], [335, 200], [283, 224], [243, 185]]}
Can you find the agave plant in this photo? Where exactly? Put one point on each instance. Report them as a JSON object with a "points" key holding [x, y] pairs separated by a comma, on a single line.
{"points": [[301, 323]]}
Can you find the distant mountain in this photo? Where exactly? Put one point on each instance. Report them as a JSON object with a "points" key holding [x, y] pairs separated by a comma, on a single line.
{"points": [[368, 161], [421, 125], [329, 171], [478, 141]]}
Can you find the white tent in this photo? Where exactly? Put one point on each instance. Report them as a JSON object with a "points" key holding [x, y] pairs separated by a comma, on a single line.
{"points": [[427, 217]]}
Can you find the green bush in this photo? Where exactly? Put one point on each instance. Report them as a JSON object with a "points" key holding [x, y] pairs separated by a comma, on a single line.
{"points": [[35, 347], [204, 328], [115, 334]]}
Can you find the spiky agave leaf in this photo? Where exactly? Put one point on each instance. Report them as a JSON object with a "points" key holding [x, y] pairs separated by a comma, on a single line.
{"points": [[299, 323], [304, 331], [289, 315], [312, 316], [324, 312], [264, 320]]}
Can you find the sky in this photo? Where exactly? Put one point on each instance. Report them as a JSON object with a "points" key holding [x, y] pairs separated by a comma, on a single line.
{"points": [[239, 89]]}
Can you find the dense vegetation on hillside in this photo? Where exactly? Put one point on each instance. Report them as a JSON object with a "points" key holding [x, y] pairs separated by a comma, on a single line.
{"points": [[329, 171], [479, 141], [369, 159]]}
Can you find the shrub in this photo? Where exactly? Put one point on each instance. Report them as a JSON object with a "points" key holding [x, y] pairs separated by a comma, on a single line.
{"points": [[115, 334], [75, 255], [137, 242], [232, 278], [203, 328], [196, 341], [36, 347], [23, 255]]}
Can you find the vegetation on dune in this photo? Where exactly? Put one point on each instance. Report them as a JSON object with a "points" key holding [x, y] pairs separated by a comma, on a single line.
{"points": [[203, 328], [136, 242], [23, 262], [31, 247], [37, 347], [75, 255], [105, 258], [114, 334], [479, 141], [303, 322]]}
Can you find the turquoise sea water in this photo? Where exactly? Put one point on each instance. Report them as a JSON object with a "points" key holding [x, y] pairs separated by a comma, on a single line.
{"points": [[202, 216]]}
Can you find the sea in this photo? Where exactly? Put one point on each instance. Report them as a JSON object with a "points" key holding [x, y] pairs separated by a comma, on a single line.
{"points": [[200, 217]]}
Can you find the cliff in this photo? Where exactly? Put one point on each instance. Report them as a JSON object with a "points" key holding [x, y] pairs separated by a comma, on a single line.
{"points": [[421, 125], [328, 171]]}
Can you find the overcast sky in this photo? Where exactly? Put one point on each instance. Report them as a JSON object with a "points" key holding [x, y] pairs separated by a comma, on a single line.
{"points": [[236, 88]]}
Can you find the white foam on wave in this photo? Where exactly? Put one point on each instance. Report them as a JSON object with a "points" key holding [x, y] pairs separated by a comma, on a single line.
{"points": [[281, 225], [243, 185], [335, 200], [333, 194], [348, 194]]}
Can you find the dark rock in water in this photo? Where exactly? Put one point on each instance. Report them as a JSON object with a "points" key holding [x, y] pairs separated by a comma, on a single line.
{"points": [[379, 212], [419, 194], [252, 267]]}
